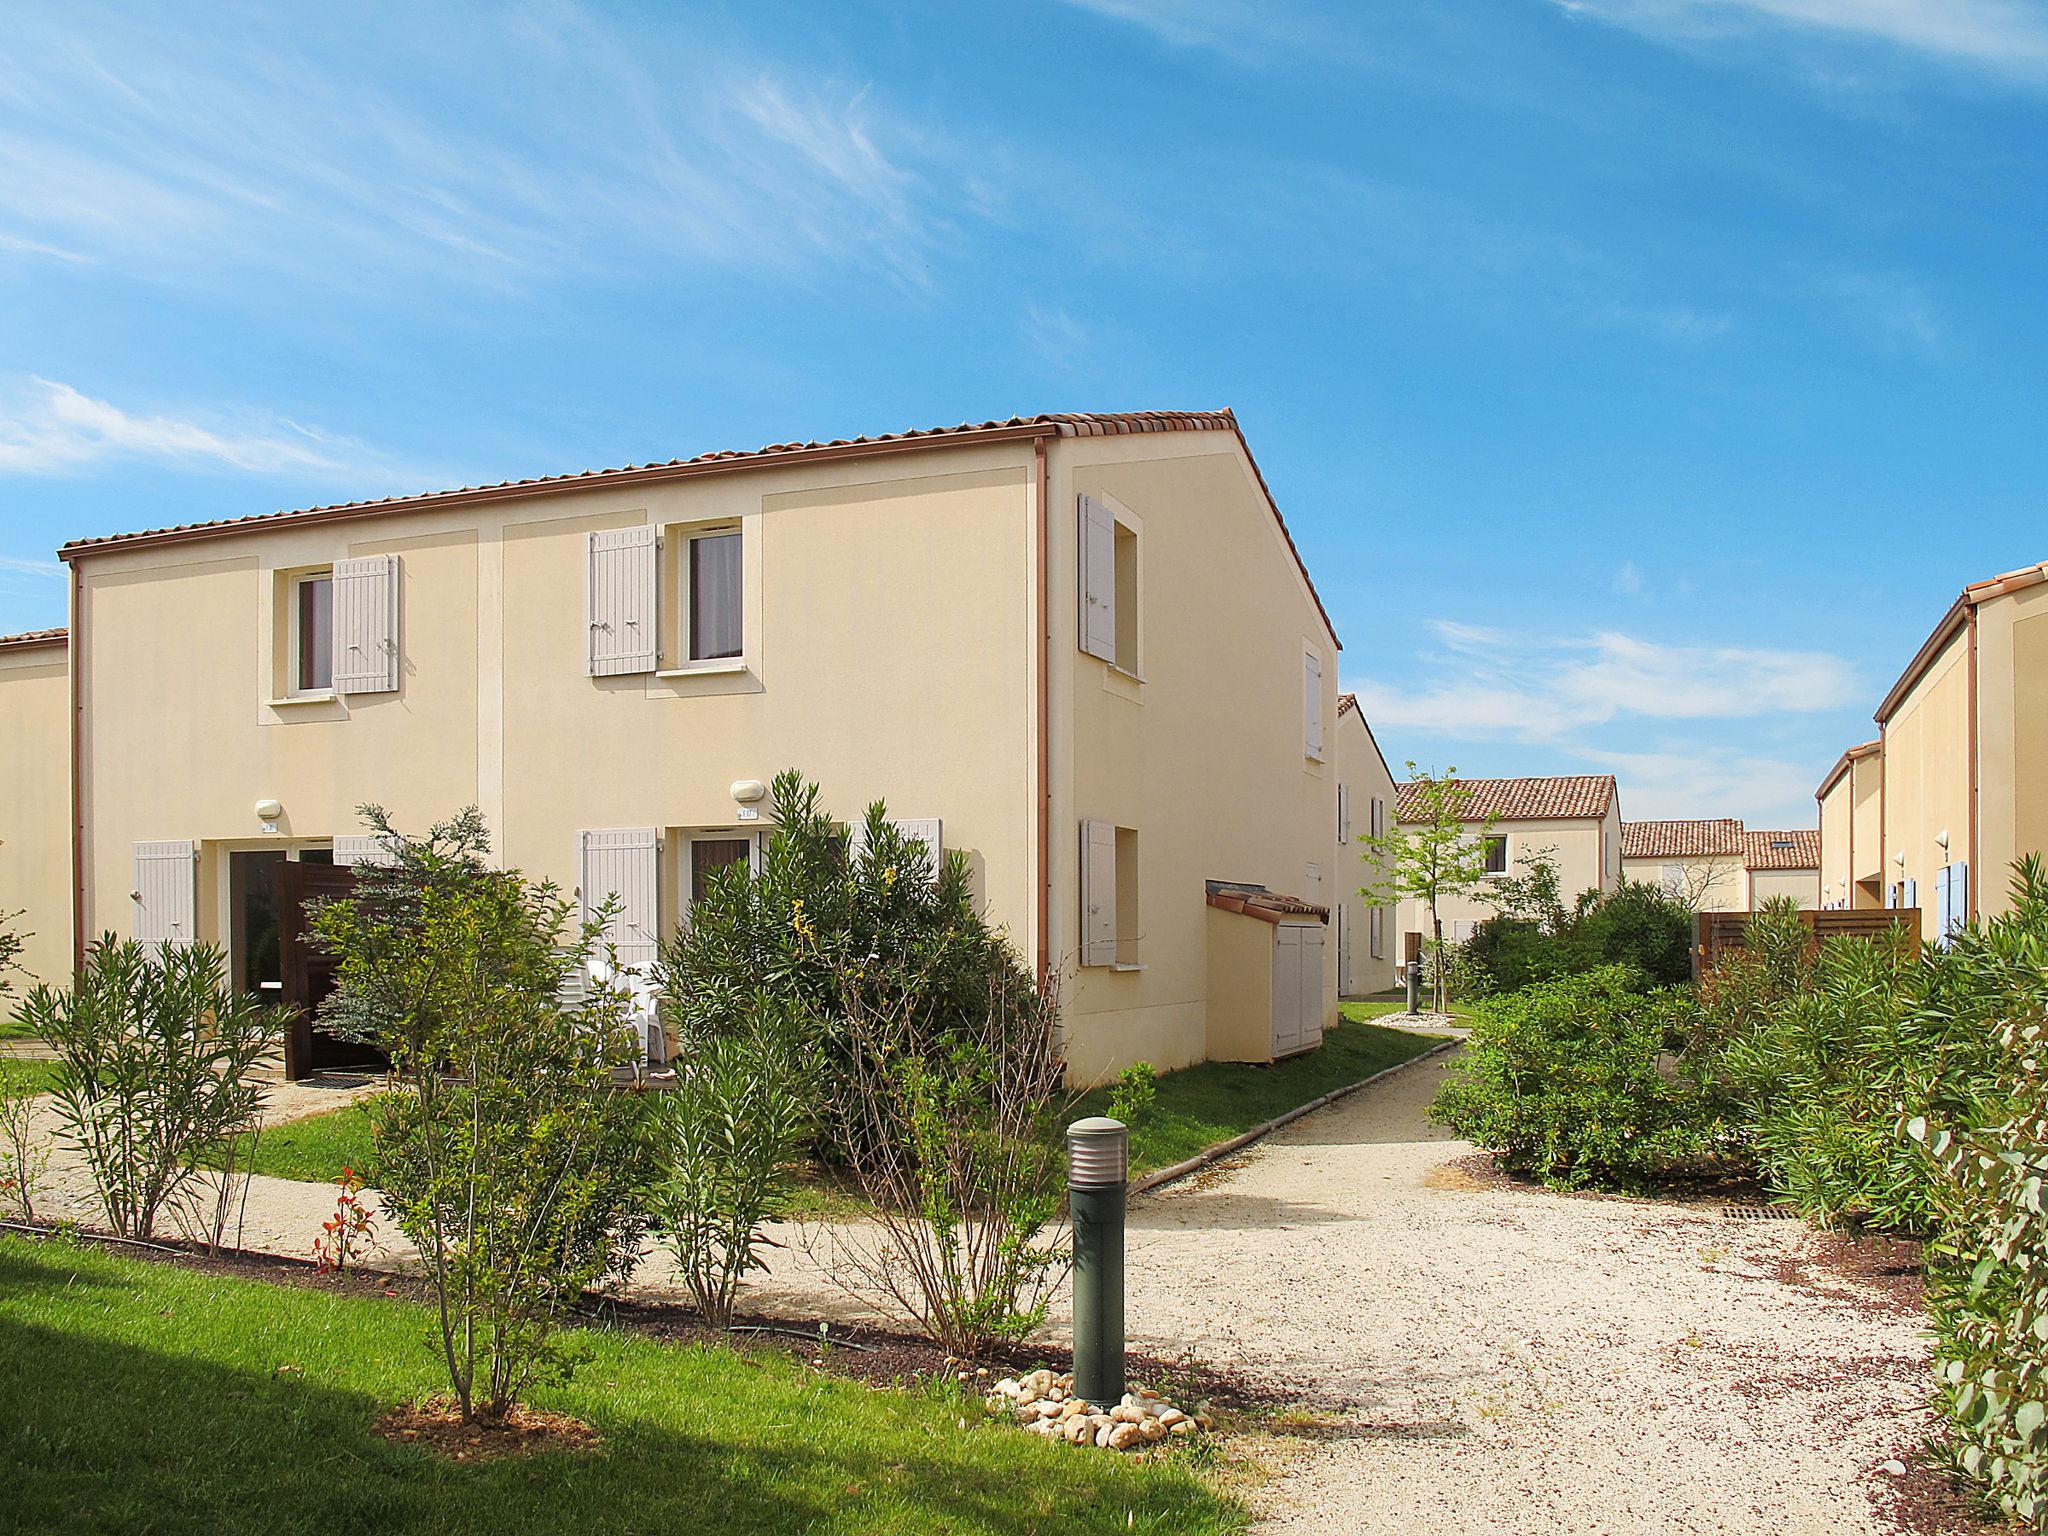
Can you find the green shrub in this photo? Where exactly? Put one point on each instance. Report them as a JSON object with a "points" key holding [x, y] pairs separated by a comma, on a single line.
{"points": [[731, 1136], [156, 1078], [1638, 925], [1572, 1081], [1988, 1283], [506, 1156], [1534, 937]]}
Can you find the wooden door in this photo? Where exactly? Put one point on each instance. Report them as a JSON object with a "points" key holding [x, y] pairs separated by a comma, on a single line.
{"points": [[308, 971], [1310, 1030], [1286, 989]]}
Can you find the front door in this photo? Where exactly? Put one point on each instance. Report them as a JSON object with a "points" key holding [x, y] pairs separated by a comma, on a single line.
{"points": [[308, 972]]}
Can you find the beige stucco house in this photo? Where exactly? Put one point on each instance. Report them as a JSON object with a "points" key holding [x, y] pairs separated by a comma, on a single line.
{"points": [[1960, 765], [1700, 863], [1783, 864], [35, 800], [1576, 817], [1851, 838], [1081, 650], [1363, 933]]}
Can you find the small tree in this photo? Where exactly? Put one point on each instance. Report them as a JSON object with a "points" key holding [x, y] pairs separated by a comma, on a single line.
{"points": [[13, 940], [1432, 856], [507, 1156], [155, 1079], [1692, 883]]}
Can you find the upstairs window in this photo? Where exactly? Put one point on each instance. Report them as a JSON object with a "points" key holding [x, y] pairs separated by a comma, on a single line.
{"points": [[714, 596], [312, 621], [1496, 855]]}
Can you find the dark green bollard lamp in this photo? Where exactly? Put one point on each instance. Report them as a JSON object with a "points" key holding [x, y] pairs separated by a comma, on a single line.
{"points": [[1098, 1173]]}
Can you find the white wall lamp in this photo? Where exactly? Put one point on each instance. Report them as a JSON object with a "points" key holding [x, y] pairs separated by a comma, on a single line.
{"points": [[269, 812], [1941, 839], [747, 793]]}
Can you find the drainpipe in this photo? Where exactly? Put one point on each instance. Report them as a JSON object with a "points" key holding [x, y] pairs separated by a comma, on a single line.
{"points": [[74, 653], [1970, 894], [1042, 665]]}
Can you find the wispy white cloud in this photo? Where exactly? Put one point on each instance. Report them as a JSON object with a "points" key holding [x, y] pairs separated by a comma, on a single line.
{"points": [[18, 246], [1535, 689], [1628, 581], [2006, 37], [1246, 31], [49, 428], [1709, 779], [13, 565], [1894, 307], [566, 149]]}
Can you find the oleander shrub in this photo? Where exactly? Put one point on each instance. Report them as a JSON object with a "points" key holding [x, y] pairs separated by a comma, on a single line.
{"points": [[1988, 1279], [1576, 1081], [1535, 937]]}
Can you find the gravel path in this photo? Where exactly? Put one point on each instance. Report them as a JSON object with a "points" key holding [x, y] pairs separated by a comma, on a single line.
{"points": [[1470, 1356]]}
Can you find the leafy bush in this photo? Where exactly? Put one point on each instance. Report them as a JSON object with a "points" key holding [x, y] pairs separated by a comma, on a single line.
{"points": [[156, 1081], [731, 1135], [1988, 1284], [24, 1156], [1535, 937], [507, 1156], [1821, 1048], [828, 925], [1572, 1081]]}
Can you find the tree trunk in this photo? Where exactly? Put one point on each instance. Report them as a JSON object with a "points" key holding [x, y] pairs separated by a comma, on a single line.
{"points": [[1440, 991]]}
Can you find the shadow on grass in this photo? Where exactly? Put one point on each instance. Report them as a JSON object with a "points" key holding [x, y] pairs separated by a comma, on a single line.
{"points": [[135, 1415]]}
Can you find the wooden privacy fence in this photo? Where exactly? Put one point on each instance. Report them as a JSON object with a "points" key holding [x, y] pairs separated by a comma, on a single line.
{"points": [[1716, 931]]}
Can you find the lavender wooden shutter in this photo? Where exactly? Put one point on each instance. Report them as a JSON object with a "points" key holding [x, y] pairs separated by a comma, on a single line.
{"points": [[1098, 893], [1098, 580], [366, 625], [622, 602]]}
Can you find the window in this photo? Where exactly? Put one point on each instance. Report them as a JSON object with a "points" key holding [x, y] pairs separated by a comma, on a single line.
{"points": [[1126, 600], [1109, 895], [714, 595], [312, 630], [1497, 855], [1126, 897]]}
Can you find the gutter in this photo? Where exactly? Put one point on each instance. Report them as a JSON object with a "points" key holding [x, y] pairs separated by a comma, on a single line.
{"points": [[1042, 666], [76, 669], [1970, 897]]}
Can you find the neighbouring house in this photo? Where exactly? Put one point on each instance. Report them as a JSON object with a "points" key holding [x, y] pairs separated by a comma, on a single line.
{"points": [[1362, 932], [1782, 864], [1701, 863], [1960, 765], [1851, 838], [1576, 818], [1081, 650], [35, 799]]}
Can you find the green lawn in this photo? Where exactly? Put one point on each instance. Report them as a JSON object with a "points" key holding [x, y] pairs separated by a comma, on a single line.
{"points": [[1379, 1004], [316, 1148], [143, 1397], [1202, 1105], [35, 1075]]}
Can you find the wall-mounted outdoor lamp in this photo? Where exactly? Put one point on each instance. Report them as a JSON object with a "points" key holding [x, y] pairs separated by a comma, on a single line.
{"points": [[1899, 858], [747, 791], [1098, 1174], [1941, 839], [269, 812]]}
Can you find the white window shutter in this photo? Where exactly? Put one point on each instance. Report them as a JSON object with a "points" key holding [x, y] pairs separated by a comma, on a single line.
{"points": [[1958, 896], [927, 830], [1376, 927], [365, 848], [1312, 703], [167, 892], [1286, 988], [1098, 580], [621, 602], [366, 625], [1909, 896], [1312, 945], [623, 865], [1343, 813], [1098, 893]]}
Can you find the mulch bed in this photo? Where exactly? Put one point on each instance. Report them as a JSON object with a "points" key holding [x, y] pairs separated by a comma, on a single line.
{"points": [[436, 1425]]}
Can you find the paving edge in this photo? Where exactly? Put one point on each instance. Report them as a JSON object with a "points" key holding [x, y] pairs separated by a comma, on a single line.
{"points": [[1223, 1149]]}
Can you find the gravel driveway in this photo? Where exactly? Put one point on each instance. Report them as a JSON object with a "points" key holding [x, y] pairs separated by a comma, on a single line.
{"points": [[1494, 1359]]}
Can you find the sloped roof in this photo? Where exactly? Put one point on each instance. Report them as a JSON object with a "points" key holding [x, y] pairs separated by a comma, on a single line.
{"points": [[1267, 906], [1680, 839], [1944, 631], [1782, 850], [1854, 754], [1347, 704], [29, 638], [1568, 797]]}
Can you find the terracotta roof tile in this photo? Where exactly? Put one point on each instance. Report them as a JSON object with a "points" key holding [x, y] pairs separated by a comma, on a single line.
{"points": [[33, 637], [1346, 702], [1782, 850], [1267, 906], [1680, 839], [1569, 797]]}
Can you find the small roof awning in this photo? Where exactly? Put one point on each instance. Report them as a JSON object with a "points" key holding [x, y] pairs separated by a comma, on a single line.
{"points": [[1267, 906]]}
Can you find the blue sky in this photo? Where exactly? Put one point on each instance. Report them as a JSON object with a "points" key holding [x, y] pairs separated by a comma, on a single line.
{"points": [[1641, 378]]}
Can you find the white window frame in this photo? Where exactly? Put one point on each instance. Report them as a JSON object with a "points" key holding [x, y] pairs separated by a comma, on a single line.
{"points": [[676, 541], [686, 866], [295, 640], [1507, 855]]}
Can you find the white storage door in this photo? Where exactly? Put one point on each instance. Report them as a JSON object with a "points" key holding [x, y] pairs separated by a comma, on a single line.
{"points": [[366, 625], [364, 848], [929, 831], [622, 602], [1286, 988], [624, 863], [167, 892], [1309, 1031]]}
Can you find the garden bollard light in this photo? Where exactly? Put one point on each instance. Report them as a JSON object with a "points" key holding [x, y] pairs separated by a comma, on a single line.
{"points": [[1414, 970], [1098, 1168]]}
